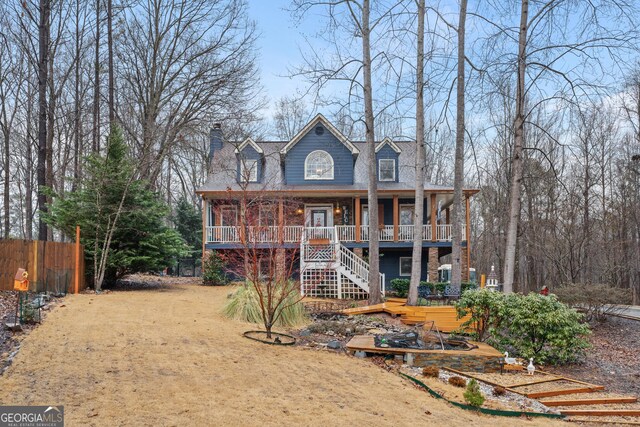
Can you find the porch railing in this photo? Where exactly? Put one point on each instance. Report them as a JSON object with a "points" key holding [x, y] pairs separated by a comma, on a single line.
{"points": [[342, 233]]}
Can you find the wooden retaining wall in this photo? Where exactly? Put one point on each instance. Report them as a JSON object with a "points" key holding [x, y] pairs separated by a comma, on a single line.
{"points": [[51, 265]]}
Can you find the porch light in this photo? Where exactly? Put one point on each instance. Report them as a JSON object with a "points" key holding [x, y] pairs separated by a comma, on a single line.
{"points": [[299, 211], [337, 209]]}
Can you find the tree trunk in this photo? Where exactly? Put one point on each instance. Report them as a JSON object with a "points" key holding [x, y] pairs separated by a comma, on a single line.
{"points": [[517, 160], [458, 180], [7, 181], [112, 107], [374, 249], [43, 79], [95, 133], [416, 263], [76, 106]]}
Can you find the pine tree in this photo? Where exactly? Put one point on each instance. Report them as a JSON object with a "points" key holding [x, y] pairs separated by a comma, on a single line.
{"points": [[188, 223], [122, 222]]}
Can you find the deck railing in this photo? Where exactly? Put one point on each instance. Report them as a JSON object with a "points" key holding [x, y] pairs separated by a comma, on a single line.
{"points": [[342, 233]]}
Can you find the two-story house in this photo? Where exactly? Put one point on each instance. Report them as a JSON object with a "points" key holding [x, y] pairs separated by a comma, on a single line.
{"points": [[309, 196]]}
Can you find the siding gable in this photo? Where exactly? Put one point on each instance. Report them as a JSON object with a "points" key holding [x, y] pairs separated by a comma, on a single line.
{"points": [[343, 160]]}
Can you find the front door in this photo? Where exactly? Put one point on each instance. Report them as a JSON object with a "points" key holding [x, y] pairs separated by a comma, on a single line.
{"points": [[318, 218]]}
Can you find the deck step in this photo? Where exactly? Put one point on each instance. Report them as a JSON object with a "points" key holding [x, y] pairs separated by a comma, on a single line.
{"points": [[597, 401], [602, 412]]}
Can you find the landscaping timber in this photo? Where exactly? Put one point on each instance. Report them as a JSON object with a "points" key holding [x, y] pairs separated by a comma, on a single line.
{"points": [[602, 412], [596, 401], [560, 392]]}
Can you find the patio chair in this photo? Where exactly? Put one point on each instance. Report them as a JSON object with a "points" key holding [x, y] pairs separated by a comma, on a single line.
{"points": [[452, 292], [424, 291]]}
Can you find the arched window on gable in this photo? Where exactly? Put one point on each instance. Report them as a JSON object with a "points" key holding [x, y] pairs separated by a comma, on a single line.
{"points": [[318, 165]]}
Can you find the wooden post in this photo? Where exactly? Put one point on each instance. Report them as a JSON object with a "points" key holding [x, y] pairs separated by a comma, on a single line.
{"points": [[77, 273], [357, 214], [34, 274], [434, 235], [205, 215], [281, 221], [483, 280], [396, 220], [468, 237]]}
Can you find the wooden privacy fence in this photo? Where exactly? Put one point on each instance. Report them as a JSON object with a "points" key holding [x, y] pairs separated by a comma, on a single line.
{"points": [[51, 265]]}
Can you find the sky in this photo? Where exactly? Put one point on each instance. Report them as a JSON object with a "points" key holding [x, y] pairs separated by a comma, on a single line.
{"points": [[278, 46]]}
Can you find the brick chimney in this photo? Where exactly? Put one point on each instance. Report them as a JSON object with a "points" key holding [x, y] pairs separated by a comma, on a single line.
{"points": [[215, 140]]}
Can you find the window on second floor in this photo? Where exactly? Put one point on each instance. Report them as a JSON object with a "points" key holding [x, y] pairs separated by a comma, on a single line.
{"points": [[387, 169], [249, 170], [318, 165]]}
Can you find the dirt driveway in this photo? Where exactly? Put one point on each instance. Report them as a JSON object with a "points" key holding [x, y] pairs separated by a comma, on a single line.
{"points": [[167, 357]]}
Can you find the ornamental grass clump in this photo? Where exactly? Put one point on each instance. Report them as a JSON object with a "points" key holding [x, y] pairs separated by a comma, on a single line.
{"points": [[499, 391], [244, 305], [473, 396], [431, 371], [457, 382]]}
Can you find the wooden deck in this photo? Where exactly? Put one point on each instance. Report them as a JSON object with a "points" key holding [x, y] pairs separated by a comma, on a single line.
{"points": [[443, 316], [366, 343]]}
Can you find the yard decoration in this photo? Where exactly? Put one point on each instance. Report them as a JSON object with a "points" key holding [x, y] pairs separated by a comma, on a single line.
{"points": [[530, 368], [21, 281], [25, 312]]}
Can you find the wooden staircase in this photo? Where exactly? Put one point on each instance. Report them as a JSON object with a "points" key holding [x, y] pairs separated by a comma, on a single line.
{"points": [[578, 400]]}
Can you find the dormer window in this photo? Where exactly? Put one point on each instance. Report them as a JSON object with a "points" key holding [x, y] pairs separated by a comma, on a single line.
{"points": [[387, 169], [318, 165], [249, 170]]}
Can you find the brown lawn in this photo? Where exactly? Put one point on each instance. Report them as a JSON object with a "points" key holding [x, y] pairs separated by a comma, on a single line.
{"points": [[167, 357]]}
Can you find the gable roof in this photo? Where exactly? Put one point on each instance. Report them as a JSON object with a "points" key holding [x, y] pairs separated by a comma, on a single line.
{"points": [[390, 143], [319, 119], [250, 142]]}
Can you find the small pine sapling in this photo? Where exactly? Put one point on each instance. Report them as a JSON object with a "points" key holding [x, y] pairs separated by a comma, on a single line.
{"points": [[473, 396]]}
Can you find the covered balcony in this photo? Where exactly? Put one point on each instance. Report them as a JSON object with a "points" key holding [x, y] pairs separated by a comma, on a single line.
{"points": [[338, 219]]}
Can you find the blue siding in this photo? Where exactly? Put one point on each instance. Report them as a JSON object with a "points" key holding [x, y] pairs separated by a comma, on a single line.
{"points": [[249, 153], [390, 264], [386, 152], [342, 159]]}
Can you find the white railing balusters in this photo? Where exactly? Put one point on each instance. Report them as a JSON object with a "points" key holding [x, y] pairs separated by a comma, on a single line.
{"points": [[342, 233], [346, 233]]}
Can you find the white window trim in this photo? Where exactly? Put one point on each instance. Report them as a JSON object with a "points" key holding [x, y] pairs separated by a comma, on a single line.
{"points": [[362, 209], [400, 266], [252, 166], [323, 178], [406, 205], [380, 168]]}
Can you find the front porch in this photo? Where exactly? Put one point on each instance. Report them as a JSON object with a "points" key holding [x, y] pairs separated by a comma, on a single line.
{"points": [[345, 219]]}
